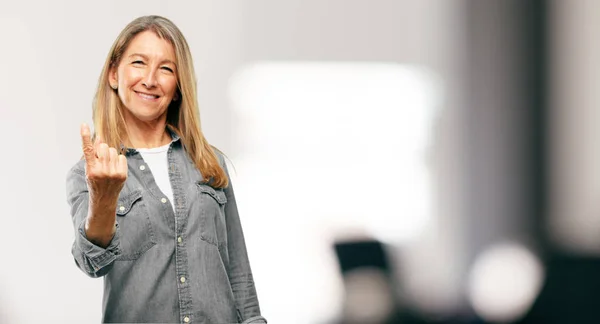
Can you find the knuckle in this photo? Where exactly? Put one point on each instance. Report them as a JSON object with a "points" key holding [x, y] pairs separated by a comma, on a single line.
{"points": [[92, 175]]}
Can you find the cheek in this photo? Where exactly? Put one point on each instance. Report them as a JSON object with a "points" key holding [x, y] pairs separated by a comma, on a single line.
{"points": [[129, 76], [169, 85]]}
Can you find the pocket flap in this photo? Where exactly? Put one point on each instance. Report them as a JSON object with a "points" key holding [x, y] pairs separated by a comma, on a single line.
{"points": [[218, 195], [126, 201]]}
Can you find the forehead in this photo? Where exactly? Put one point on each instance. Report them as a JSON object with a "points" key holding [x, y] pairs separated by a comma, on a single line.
{"points": [[149, 44]]}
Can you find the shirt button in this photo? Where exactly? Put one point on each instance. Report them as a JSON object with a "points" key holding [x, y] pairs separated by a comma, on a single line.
{"points": [[142, 167], [186, 319], [179, 239], [122, 208], [182, 279], [163, 200]]}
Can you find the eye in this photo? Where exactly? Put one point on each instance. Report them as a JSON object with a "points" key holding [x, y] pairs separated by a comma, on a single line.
{"points": [[167, 69], [138, 62]]}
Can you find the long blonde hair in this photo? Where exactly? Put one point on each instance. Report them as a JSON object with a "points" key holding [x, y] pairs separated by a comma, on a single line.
{"points": [[183, 115]]}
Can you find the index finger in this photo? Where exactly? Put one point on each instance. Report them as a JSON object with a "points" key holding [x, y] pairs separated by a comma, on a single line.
{"points": [[86, 141]]}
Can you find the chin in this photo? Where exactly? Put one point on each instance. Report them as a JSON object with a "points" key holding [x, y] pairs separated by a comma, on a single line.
{"points": [[144, 115], [148, 118]]}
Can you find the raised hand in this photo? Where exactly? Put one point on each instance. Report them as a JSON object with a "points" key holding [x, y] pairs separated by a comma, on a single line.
{"points": [[105, 173]]}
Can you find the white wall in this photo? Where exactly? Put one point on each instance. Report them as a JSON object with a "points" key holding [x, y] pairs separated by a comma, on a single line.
{"points": [[51, 53]]}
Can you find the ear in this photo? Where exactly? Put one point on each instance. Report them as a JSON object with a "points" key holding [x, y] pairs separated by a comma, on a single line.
{"points": [[176, 96], [113, 80]]}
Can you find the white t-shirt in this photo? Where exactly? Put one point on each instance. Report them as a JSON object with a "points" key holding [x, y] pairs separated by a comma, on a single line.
{"points": [[156, 160]]}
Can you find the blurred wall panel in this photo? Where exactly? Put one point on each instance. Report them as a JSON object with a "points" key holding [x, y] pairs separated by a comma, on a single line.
{"points": [[505, 167], [574, 127], [503, 121]]}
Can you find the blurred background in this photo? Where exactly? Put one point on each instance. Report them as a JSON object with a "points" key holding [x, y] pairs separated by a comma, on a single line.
{"points": [[395, 161]]}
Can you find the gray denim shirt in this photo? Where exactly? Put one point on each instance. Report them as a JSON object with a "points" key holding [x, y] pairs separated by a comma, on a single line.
{"points": [[187, 266]]}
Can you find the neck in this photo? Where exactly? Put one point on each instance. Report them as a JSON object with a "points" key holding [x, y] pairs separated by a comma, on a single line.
{"points": [[147, 134]]}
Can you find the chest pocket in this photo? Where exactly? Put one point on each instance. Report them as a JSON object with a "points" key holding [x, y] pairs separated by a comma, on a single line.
{"points": [[212, 215], [136, 234]]}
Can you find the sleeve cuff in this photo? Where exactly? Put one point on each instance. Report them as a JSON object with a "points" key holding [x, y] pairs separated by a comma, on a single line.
{"points": [[255, 320], [98, 257]]}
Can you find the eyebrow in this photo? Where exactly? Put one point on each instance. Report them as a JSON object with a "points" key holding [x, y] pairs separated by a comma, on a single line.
{"points": [[146, 57]]}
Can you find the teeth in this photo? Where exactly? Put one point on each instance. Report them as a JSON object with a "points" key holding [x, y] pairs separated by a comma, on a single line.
{"points": [[147, 96]]}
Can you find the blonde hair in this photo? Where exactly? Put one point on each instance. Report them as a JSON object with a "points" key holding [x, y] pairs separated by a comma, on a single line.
{"points": [[183, 115]]}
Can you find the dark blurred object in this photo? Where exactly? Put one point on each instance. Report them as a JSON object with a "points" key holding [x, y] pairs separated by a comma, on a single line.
{"points": [[369, 285], [571, 293], [353, 255], [368, 288]]}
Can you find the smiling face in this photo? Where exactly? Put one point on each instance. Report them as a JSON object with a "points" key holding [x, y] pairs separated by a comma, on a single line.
{"points": [[146, 78]]}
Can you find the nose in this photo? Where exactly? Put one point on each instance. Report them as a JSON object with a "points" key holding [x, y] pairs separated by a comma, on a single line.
{"points": [[149, 80]]}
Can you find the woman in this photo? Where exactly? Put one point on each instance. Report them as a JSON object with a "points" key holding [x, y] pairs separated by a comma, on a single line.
{"points": [[153, 210]]}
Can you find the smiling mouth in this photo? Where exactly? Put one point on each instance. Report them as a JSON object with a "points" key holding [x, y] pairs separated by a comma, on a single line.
{"points": [[146, 96]]}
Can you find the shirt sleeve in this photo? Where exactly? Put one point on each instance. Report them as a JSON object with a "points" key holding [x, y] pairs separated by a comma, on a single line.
{"points": [[93, 260], [240, 274]]}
